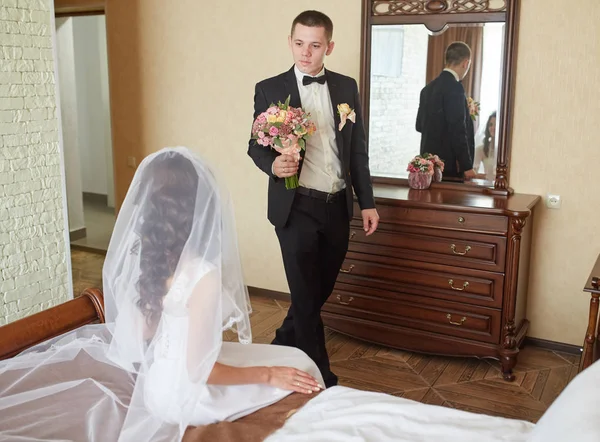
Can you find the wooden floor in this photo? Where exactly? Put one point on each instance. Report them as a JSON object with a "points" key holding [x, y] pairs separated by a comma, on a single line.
{"points": [[87, 270], [463, 383]]}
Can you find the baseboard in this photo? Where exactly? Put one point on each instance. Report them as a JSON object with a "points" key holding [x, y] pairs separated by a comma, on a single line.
{"points": [[266, 293], [76, 234], [96, 198], [554, 346], [89, 249]]}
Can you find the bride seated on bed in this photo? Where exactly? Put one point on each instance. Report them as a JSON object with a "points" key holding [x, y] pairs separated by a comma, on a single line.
{"points": [[172, 283]]}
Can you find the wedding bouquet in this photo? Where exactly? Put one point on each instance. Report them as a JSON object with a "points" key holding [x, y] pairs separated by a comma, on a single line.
{"points": [[285, 129], [473, 108]]}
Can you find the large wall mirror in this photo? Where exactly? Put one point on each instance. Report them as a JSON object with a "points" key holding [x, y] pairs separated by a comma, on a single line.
{"points": [[404, 48]]}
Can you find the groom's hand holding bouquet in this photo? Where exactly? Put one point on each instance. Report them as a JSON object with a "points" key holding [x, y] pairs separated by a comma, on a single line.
{"points": [[285, 129]]}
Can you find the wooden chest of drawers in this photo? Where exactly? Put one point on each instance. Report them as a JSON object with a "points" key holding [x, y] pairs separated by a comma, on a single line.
{"points": [[445, 273]]}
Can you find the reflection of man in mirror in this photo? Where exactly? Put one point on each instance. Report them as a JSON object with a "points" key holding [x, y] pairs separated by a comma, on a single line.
{"points": [[444, 120]]}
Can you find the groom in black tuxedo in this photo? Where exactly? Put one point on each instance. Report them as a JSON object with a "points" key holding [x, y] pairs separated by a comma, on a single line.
{"points": [[312, 222], [443, 118]]}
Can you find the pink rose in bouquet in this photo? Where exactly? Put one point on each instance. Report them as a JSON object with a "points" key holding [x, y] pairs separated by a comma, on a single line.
{"points": [[285, 129]]}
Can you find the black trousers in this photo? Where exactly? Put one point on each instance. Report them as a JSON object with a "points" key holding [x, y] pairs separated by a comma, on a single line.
{"points": [[313, 243]]}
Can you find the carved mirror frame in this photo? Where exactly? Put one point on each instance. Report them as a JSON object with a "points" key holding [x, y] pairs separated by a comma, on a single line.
{"points": [[436, 15]]}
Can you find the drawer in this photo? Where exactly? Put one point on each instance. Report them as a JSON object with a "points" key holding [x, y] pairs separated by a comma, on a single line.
{"points": [[445, 317], [471, 250], [442, 219], [470, 286]]}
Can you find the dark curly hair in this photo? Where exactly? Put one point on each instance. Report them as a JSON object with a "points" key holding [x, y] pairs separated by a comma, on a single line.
{"points": [[168, 213]]}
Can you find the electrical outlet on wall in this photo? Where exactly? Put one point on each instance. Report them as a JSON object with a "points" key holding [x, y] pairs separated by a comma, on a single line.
{"points": [[553, 201], [131, 162]]}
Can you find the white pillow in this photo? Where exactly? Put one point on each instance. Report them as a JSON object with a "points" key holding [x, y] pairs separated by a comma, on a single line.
{"points": [[575, 413]]}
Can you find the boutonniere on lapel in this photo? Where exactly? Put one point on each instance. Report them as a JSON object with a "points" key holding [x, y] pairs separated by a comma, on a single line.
{"points": [[346, 113]]}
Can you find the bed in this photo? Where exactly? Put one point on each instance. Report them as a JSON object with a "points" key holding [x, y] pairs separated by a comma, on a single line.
{"points": [[341, 413], [88, 308]]}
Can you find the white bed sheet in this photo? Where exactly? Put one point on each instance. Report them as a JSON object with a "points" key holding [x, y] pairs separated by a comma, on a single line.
{"points": [[347, 415]]}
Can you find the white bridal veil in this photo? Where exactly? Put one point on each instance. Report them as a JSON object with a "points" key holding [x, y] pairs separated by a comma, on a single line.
{"points": [[172, 283]]}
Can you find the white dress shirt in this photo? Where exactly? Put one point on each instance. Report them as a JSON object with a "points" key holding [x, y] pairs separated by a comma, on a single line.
{"points": [[453, 73], [322, 168]]}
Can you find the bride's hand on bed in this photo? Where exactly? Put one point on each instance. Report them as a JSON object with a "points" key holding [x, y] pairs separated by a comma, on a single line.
{"points": [[288, 378]]}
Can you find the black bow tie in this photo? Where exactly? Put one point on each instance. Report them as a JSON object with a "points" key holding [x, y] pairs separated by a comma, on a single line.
{"points": [[306, 80]]}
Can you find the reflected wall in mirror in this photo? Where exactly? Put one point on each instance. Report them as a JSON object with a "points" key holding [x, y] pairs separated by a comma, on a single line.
{"points": [[403, 54], [404, 59]]}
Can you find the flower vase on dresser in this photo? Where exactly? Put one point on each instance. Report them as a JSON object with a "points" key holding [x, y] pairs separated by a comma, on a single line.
{"points": [[419, 180], [420, 173], [438, 166]]}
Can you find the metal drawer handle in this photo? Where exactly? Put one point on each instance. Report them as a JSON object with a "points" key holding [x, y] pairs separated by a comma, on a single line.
{"points": [[352, 234], [339, 298], [349, 269], [449, 316], [453, 247], [451, 283], [461, 219]]}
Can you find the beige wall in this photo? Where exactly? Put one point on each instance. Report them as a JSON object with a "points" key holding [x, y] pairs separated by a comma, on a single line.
{"points": [[199, 68], [556, 150], [185, 74]]}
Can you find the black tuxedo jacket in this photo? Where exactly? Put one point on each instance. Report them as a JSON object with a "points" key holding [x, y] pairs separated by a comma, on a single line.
{"points": [[445, 124], [351, 142]]}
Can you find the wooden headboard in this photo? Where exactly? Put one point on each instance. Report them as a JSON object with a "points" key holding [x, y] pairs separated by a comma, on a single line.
{"points": [[27, 332], [591, 343]]}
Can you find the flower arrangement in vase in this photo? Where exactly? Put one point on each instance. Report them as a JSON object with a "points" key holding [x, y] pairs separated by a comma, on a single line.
{"points": [[420, 173], [438, 166]]}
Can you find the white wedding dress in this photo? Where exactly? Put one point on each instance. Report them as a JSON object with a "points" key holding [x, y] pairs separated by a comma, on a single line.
{"points": [[168, 387]]}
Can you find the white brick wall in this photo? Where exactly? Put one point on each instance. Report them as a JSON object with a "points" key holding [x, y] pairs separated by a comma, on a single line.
{"points": [[33, 258], [394, 102]]}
